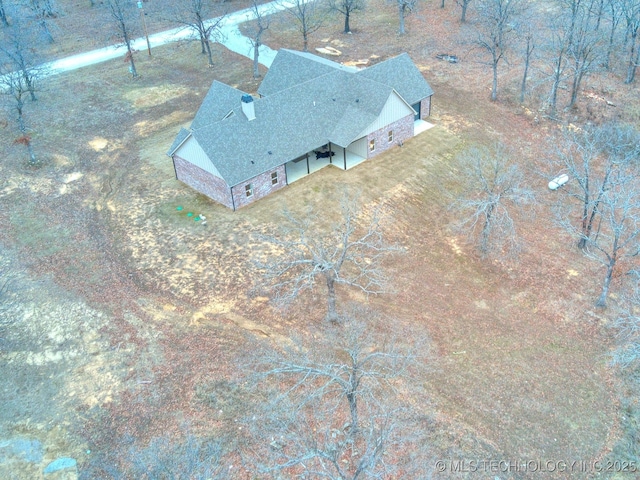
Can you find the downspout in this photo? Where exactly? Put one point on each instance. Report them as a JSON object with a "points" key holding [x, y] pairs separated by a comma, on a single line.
{"points": [[308, 171], [233, 203], [175, 171], [330, 157], [344, 152]]}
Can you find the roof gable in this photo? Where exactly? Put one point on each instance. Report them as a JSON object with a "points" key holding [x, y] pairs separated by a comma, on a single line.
{"points": [[291, 68], [401, 73], [218, 102]]}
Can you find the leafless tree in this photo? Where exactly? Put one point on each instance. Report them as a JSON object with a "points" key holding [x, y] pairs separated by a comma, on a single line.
{"points": [[124, 16], [350, 253], [603, 169], [528, 38], [43, 11], [405, 7], [20, 73], [309, 16], [627, 326], [464, 6], [18, 53], [497, 31], [592, 157], [586, 49], [631, 12], [335, 412], [203, 17], [347, 8], [493, 185], [615, 15], [618, 233], [262, 25]]}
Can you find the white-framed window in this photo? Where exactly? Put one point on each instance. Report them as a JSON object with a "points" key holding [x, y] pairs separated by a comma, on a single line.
{"points": [[372, 145], [274, 178], [390, 136], [248, 189]]}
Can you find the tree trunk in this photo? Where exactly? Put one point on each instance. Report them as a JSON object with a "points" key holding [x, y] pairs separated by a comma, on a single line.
{"points": [[305, 38], [554, 89], [465, 4], [527, 60], [256, 54], [23, 130], [332, 313], [494, 85], [442, 4], [352, 397], [401, 9], [486, 230], [602, 300], [575, 86], [347, 27], [207, 44], [633, 59]]}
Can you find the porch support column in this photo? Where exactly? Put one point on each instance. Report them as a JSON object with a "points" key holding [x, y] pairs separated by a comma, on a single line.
{"points": [[330, 157], [308, 171], [344, 152]]}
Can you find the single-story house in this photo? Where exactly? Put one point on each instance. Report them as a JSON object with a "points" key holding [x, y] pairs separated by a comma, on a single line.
{"points": [[311, 113]]}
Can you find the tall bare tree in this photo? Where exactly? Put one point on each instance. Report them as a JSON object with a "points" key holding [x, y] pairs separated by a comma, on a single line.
{"points": [[464, 7], [631, 12], [124, 16], [497, 30], [528, 38], [618, 234], [493, 186], [602, 164], [591, 156], [18, 53], [405, 8], [204, 17], [335, 412], [347, 8], [42, 11], [262, 25], [13, 85], [309, 16], [350, 253], [586, 50]]}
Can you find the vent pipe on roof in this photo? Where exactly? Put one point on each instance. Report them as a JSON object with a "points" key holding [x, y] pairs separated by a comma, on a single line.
{"points": [[248, 107]]}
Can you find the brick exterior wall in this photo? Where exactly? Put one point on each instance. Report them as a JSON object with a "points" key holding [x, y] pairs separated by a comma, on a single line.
{"points": [[202, 181], [261, 187], [425, 108], [402, 131]]}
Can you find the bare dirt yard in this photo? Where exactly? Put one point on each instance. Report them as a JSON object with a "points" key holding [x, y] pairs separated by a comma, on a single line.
{"points": [[124, 315]]}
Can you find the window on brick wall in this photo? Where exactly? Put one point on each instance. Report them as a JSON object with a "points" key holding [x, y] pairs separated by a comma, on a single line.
{"points": [[390, 136], [274, 178], [372, 145], [248, 190]]}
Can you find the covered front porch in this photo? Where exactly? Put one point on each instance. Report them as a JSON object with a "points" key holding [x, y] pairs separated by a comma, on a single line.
{"points": [[313, 161]]}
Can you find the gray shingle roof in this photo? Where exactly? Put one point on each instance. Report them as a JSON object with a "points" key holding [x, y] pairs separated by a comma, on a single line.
{"points": [[218, 102], [334, 108], [182, 135], [308, 102], [291, 68], [403, 75]]}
